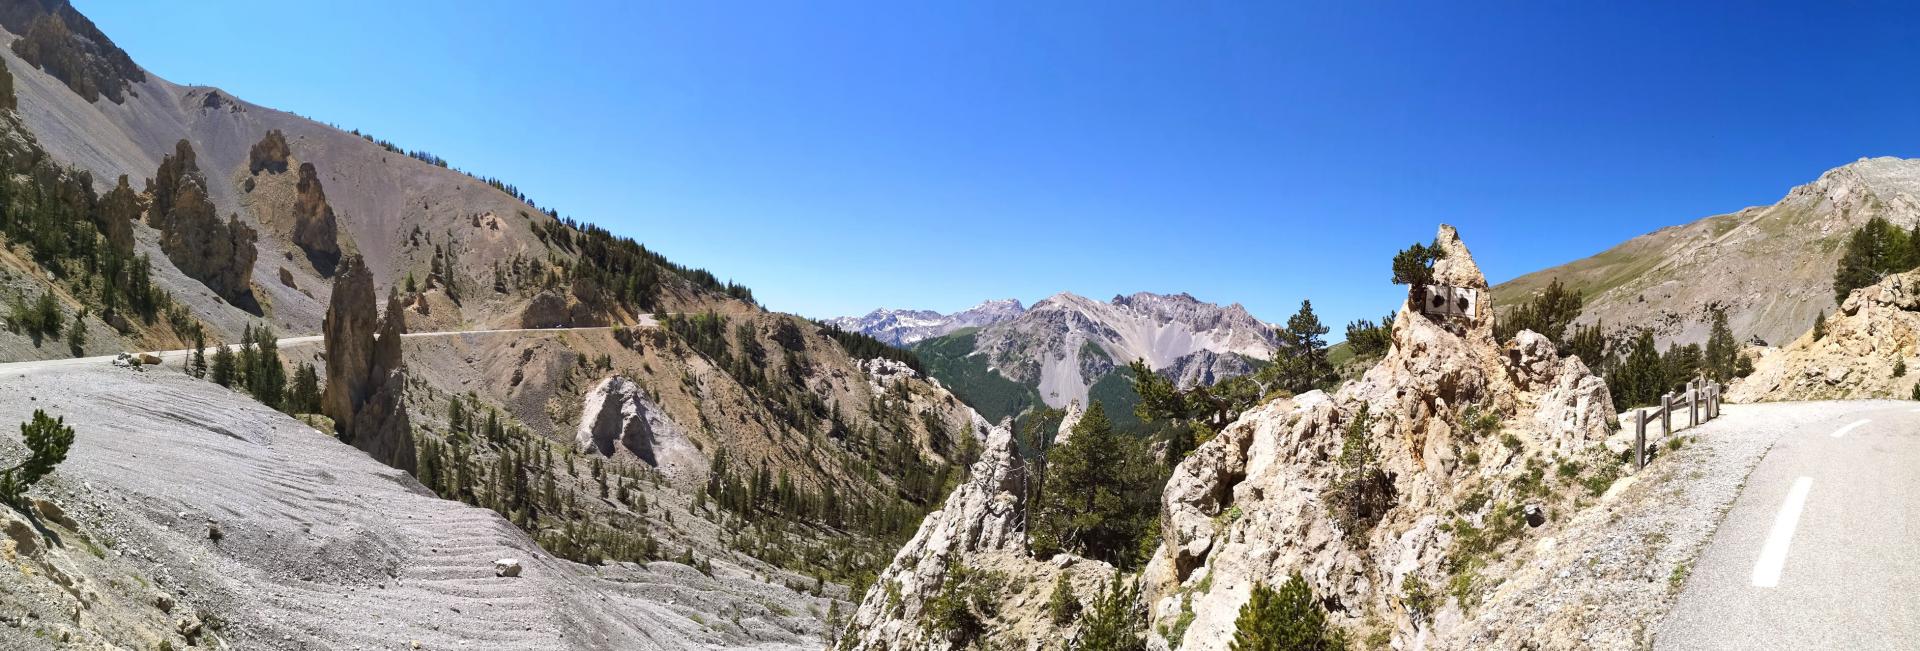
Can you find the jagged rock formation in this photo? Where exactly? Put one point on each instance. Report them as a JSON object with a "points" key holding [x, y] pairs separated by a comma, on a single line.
{"points": [[314, 230], [1770, 267], [219, 255], [1252, 505], [977, 540], [56, 38], [1871, 350], [907, 327], [617, 415], [119, 207], [270, 154], [366, 380]]}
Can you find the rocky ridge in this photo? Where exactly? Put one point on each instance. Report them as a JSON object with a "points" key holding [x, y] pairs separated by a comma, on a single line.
{"points": [[1770, 267]]}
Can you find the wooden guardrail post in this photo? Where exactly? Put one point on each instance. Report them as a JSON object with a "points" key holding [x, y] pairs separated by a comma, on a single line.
{"points": [[1693, 403], [1666, 415], [1639, 439]]}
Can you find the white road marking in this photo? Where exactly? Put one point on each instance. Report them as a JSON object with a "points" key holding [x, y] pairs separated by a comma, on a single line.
{"points": [[1766, 572], [1850, 427]]}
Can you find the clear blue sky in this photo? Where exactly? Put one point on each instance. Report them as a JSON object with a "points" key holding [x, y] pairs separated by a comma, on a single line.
{"points": [[838, 157]]}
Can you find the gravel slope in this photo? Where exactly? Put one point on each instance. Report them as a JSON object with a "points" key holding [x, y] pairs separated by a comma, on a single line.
{"points": [[325, 548]]}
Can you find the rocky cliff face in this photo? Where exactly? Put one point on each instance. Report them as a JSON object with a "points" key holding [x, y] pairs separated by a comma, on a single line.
{"points": [[907, 327], [1870, 350], [366, 382], [1461, 426], [1770, 267], [218, 254]]}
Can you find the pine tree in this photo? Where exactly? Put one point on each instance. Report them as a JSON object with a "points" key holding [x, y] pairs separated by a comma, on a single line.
{"points": [[199, 367], [1300, 359], [1723, 351], [303, 395], [77, 334], [223, 362], [1110, 623], [47, 440], [1820, 326], [1288, 619], [1100, 496], [1062, 606]]}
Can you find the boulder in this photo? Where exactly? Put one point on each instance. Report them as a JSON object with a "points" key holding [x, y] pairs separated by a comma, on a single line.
{"points": [[506, 567]]}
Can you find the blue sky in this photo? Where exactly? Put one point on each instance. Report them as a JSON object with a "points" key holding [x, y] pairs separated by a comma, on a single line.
{"points": [[839, 157]]}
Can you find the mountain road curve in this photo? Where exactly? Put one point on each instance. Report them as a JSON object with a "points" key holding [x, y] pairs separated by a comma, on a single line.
{"points": [[646, 321], [1822, 548]]}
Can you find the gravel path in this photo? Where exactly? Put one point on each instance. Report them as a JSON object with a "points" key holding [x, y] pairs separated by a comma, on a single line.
{"points": [[324, 548]]}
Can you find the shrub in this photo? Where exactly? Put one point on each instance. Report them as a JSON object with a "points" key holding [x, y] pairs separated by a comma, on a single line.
{"points": [[47, 440], [1820, 326], [1899, 368], [1289, 618]]}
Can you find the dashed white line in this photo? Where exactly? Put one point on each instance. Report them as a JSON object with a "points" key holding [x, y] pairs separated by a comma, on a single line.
{"points": [[1850, 427], [1766, 571]]}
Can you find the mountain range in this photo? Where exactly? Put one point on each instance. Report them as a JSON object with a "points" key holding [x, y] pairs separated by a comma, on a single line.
{"points": [[908, 327], [1068, 348]]}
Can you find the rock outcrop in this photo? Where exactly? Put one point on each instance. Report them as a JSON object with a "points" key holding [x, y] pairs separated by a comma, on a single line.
{"points": [[314, 229], [119, 208], [617, 415], [1870, 350], [270, 154], [1461, 426], [218, 254], [975, 543], [366, 381]]}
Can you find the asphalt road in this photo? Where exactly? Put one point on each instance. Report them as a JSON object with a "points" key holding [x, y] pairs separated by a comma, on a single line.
{"points": [[1822, 548], [176, 356]]}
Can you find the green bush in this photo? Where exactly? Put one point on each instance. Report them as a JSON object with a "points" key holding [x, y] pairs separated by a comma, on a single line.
{"points": [[1288, 619]]}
